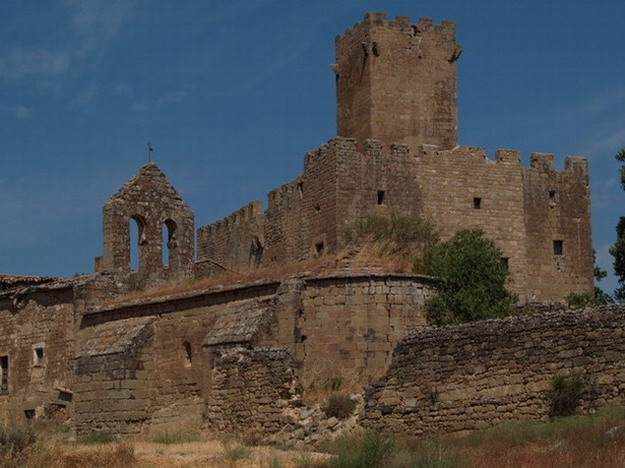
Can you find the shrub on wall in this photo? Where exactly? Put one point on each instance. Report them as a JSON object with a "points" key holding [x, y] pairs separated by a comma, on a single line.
{"points": [[564, 395], [339, 406], [472, 282], [400, 238]]}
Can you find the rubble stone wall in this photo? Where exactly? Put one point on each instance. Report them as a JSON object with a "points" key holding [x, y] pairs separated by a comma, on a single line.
{"points": [[251, 390], [468, 377], [37, 341]]}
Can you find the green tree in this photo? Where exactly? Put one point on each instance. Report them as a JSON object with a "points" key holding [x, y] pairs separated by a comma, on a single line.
{"points": [[472, 282], [618, 249], [618, 252]]}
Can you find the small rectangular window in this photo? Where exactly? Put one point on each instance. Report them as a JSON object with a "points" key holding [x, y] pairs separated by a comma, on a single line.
{"points": [[477, 203], [558, 247], [39, 356], [381, 195], [4, 374], [505, 262], [319, 248]]}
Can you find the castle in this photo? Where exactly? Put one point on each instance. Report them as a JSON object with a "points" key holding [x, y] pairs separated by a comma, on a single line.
{"points": [[213, 355]]}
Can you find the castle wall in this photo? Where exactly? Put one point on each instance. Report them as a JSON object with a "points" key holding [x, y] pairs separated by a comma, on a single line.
{"points": [[37, 343], [451, 184], [251, 391], [557, 208], [522, 209], [236, 242], [349, 326], [468, 377], [160, 362], [113, 378], [396, 81]]}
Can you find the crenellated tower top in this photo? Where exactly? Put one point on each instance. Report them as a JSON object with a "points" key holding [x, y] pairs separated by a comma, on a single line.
{"points": [[396, 81]]}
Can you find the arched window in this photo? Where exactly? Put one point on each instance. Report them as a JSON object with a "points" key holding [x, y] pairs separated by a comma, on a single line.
{"points": [[137, 241], [169, 241]]}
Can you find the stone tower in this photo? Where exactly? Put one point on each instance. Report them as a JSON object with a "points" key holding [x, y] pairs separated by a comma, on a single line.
{"points": [[396, 81], [164, 222]]}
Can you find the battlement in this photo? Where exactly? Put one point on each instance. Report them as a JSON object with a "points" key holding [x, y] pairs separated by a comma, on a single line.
{"points": [[378, 19], [542, 162], [240, 217]]}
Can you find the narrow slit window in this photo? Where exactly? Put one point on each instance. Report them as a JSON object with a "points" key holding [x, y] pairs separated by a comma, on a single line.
{"points": [[319, 248], [477, 203], [381, 196], [4, 374], [558, 247], [188, 356]]}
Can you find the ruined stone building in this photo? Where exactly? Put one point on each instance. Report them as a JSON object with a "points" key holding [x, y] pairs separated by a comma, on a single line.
{"points": [[212, 356]]}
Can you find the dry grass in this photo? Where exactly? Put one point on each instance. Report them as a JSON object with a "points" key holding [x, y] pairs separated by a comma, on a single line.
{"points": [[362, 259], [321, 380], [589, 441]]}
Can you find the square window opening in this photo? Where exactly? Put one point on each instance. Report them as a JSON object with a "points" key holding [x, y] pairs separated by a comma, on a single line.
{"points": [[477, 203], [558, 247]]}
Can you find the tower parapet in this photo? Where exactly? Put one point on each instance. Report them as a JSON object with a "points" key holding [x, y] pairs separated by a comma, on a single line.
{"points": [[396, 81]]}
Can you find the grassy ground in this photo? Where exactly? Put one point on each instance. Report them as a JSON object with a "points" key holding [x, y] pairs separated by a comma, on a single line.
{"points": [[577, 441]]}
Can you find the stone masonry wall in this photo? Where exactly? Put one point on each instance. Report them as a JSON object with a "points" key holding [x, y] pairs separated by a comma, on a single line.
{"points": [[251, 390], [349, 326], [237, 241], [396, 81], [150, 201], [468, 377], [114, 369], [37, 342]]}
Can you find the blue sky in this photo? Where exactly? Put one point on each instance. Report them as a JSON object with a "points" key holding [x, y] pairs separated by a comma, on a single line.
{"points": [[232, 94]]}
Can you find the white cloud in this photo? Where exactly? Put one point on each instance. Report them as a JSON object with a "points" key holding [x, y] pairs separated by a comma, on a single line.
{"points": [[97, 21], [88, 94], [22, 112], [138, 107], [20, 62], [18, 112], [171, 98], [123, 90], [93, 23]]}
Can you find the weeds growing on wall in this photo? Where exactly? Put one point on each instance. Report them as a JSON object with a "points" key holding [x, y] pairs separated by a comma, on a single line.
{"points": [[472, 282], [339, 405], [16, 439], [564, 395], [97, 437], [177, 437], [401, 238]]}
